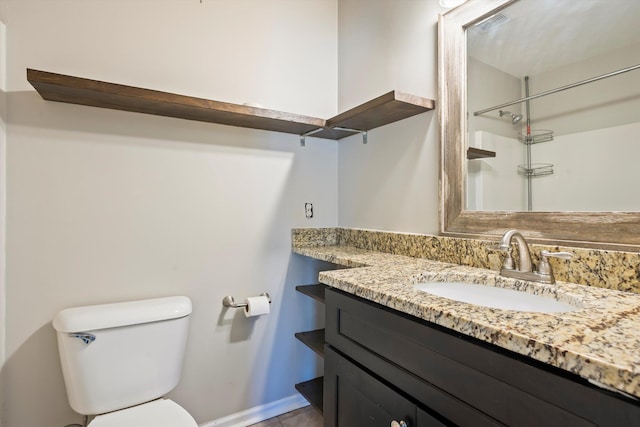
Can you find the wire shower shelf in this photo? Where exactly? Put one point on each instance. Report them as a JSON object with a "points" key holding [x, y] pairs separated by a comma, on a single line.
{"points": [[536, 136], [536, 169]]}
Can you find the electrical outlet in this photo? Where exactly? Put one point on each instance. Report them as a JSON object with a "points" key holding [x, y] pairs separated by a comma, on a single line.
{"points": [[308, 210]]}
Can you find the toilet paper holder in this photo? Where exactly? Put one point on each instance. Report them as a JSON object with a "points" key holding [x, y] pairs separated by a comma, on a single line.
{"points": [[229, 301]]}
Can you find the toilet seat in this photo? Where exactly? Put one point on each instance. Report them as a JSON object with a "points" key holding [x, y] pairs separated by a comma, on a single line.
{"points": [[157, 413]]}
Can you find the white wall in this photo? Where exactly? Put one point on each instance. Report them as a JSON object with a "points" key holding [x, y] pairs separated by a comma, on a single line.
{"points": [[488, 86], [3, 168], [108, 206], [392, 182], [595, 170], [245, 50]]}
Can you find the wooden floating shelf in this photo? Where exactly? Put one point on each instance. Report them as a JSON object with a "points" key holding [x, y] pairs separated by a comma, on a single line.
{"points": [[313, 339], [314, 291], [477, 153], [312, 391], [77, 90], [392, 106], [383, 110]]}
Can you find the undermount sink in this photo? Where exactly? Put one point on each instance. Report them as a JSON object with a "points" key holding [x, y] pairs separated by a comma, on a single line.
{"points": [[494, 297]]}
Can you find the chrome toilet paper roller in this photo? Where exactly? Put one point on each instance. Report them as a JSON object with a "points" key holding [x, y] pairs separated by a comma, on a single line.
{"points": [[253, 306]]}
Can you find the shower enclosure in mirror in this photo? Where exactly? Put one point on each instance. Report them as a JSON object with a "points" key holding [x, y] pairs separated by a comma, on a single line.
{"points": [[576, 147], [540, 112]]}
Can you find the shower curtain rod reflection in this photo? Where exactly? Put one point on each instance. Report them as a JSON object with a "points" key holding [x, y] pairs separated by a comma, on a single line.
{"points": [[559, 89]]}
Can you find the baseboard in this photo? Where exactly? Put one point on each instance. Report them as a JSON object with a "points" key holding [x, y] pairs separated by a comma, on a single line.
{"points": [[259, 413]]}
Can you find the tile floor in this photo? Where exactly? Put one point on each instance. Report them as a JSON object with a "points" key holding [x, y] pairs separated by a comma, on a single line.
{"points": [[303, 417]]}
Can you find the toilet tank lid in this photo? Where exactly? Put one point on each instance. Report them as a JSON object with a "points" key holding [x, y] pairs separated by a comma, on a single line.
{"points": [[105, 316]]}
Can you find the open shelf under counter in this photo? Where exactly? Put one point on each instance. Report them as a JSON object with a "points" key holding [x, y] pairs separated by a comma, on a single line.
{"points": [[388, 108], [313, 339], [314, 291], [312, 390]]}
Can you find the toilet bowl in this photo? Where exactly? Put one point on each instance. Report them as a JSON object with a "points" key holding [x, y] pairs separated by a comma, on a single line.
{"points": [[158, 413], [119, 360]]}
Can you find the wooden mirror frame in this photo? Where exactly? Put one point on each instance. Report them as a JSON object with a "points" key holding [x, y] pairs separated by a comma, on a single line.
{"points": [[604, 230]]}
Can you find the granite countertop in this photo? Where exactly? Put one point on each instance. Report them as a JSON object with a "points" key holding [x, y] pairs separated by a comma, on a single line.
{"points": [[600, 341]]}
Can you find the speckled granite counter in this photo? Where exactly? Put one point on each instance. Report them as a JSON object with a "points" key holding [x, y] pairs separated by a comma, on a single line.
{"points": [[599, 342]]}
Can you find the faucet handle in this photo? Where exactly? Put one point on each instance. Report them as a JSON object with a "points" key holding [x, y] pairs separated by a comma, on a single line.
{"points": [[563, 255], [509, 263], [544, 268]]}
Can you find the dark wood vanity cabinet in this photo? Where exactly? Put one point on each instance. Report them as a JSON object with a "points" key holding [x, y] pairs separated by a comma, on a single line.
{"points": [[382, 365]]}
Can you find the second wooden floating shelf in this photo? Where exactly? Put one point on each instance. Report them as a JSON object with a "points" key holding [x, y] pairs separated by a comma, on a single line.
{"points": [[388, 108]]}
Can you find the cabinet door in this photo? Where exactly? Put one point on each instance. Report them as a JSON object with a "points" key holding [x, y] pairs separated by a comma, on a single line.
{"points": [[353, 397], [426, 420]]}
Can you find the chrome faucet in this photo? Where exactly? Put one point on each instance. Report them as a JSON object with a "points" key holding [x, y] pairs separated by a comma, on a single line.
{"points": [[525, 269]]}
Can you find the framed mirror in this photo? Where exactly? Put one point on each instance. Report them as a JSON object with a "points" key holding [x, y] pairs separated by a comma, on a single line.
{"points": [[534, 105]]}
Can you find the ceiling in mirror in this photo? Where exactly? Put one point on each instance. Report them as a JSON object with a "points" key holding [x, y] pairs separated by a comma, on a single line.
{"points": [[532, 36]]}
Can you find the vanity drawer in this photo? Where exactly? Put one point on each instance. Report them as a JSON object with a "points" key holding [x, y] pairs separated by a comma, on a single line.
{"points": [[506, 387], [353, 397]]}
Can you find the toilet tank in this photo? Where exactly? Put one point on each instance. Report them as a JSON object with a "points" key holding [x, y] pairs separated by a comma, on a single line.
{"points": [[118, 355]]}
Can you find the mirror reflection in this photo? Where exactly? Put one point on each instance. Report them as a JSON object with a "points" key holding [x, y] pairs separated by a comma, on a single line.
{"points": [[574, 145]]}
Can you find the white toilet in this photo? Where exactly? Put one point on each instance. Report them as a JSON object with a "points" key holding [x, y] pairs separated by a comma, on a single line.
{"points": [[118, 360]]}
